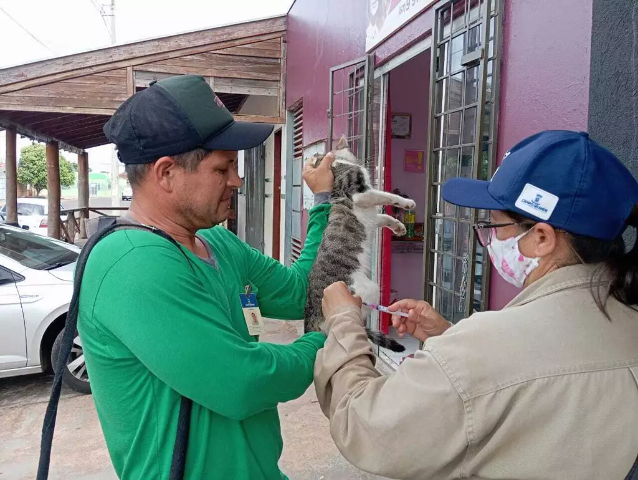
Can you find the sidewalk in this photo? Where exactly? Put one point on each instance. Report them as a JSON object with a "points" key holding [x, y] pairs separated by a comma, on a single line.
{"points": [[79, 451]]}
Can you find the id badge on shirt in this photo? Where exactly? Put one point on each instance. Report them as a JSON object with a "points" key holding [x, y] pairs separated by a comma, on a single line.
{"points": [[252, 315]]}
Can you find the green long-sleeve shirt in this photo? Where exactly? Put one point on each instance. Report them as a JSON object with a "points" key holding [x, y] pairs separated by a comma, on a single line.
{"points": [[154, 327]]}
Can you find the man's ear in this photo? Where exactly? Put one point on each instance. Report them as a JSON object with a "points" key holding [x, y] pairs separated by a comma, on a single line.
{"points": [[343, 143], [163, 172]]}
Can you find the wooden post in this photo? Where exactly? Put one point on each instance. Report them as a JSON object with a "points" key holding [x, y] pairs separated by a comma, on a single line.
{"points": [[12, 177], [53, 189], [83, 190]]}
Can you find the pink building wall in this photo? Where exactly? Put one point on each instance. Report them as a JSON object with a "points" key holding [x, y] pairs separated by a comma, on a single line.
{"points": [[321, 34], [544, 80]]}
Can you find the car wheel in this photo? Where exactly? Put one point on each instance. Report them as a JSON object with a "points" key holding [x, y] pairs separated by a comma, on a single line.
{"points": [[75, 374]]}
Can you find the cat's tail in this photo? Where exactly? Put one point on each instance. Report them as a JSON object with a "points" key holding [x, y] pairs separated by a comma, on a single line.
{"points": [[384, 341]]}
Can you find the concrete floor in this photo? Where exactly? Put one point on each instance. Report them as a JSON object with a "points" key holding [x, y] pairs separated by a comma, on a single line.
{"points": [[79, 450]]}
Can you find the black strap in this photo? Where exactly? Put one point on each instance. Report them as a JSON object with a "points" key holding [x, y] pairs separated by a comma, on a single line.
{"points": [[106, 226], [633, 473]]}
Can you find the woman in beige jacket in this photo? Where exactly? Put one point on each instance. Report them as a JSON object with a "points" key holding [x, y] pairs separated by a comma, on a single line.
{"points": [[545, 388]]}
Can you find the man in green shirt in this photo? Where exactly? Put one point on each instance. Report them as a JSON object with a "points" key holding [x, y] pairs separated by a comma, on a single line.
{"points": [[159, 322]]}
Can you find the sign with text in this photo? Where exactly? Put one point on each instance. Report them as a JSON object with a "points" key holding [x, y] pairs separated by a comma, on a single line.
{"points": [[413, 161], [386, 16]]}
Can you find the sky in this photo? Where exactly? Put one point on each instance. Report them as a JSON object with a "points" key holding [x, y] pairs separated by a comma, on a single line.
{"points": [[64, 27]]}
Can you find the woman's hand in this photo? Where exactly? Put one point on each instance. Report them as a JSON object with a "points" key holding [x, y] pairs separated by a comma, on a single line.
{"points": [[422, 322], [337, 296]]}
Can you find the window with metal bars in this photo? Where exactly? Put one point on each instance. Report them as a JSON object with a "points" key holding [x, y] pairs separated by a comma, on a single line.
{"points": [[462, 136]]}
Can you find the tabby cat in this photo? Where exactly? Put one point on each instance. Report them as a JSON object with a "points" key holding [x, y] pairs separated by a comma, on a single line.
{"points": [[344, 253]]}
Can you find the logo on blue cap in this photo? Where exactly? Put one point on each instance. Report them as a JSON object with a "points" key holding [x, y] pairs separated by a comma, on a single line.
{"points": [[537, 202]]}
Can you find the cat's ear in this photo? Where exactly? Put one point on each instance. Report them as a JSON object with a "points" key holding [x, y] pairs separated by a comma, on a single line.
{"points": [[343, 143]]}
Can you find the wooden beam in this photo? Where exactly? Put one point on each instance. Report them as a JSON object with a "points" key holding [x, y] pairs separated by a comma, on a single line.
{"points": [[47, 71], [80, 132], [65, 127], [259, 119], [246, 86], [80, 139], [58, 109], [264, 49], [87, 74], [38, 120], [12, 176], [53, 189], [83, 190], [40, 137], [57, 101], [130, 81], [241, 86], [213, 71]]}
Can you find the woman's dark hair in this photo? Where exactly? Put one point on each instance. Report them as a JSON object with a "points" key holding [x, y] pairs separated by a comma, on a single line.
{"points": [[615, 261]]}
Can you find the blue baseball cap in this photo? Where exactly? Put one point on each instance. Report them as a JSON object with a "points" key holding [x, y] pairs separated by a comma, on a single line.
{"points": [[559, 177]]}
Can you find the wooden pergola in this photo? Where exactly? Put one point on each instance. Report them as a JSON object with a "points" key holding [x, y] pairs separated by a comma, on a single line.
{"points": [[66, 101]]}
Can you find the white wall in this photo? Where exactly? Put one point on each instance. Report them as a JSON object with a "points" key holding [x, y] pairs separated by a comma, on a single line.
{"points": [[268, 204], [260, 105], [241, 201], [282, 211]]}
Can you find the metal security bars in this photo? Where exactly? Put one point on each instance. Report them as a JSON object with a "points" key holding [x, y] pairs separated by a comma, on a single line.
{"points": [[463, 105], [351, 100]]}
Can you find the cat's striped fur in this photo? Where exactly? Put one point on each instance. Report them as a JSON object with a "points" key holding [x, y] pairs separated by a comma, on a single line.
{"points": [[344, 253]]}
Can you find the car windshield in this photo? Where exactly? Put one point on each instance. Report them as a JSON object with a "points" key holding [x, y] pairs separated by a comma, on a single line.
{"points": [[34, 251], [28, 209]]}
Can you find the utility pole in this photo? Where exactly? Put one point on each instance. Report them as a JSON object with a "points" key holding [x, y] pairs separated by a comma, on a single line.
{"points": [[115, 164]]}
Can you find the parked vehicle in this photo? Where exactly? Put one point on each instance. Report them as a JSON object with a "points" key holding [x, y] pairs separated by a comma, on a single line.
{"points": [[36, 285], [32, 214]]}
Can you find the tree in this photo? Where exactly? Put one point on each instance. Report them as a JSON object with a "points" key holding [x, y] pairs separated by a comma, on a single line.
{"points": [[74, 166], [32, 169]]}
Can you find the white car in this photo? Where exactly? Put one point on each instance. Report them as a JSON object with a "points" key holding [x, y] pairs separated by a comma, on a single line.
{"points": [[36, 285], [32, 214]]}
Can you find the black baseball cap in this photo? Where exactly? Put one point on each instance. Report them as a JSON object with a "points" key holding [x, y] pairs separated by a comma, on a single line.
{"points": [[177, 115]]}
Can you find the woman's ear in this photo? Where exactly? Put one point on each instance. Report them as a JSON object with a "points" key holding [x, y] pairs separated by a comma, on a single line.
{"points": [[541, 241]]}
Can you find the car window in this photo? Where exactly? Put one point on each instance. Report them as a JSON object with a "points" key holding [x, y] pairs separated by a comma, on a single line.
{"points": [[30, 209], [4, 209], [6, 277], [34, 251]]}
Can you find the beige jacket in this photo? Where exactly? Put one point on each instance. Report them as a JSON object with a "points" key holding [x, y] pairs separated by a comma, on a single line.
{"points": [[543, 389]]}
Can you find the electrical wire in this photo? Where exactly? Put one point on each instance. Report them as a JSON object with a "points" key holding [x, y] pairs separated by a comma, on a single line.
{"points": [[27, 31], [100, 10]]}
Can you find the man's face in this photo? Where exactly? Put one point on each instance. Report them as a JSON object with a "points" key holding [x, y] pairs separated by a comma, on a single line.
{"points": [[204, 195]]}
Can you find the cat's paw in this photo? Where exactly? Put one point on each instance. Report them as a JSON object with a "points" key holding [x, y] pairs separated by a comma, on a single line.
{"points": [[406, 204], [409, 204], [399, 230]]}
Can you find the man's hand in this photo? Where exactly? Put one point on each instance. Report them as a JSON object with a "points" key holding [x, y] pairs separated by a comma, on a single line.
{"points": [[423, 321], [337, 296], [319, 179]]}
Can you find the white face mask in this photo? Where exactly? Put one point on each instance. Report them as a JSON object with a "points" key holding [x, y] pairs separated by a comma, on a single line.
{"points": [[511, 264]]}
